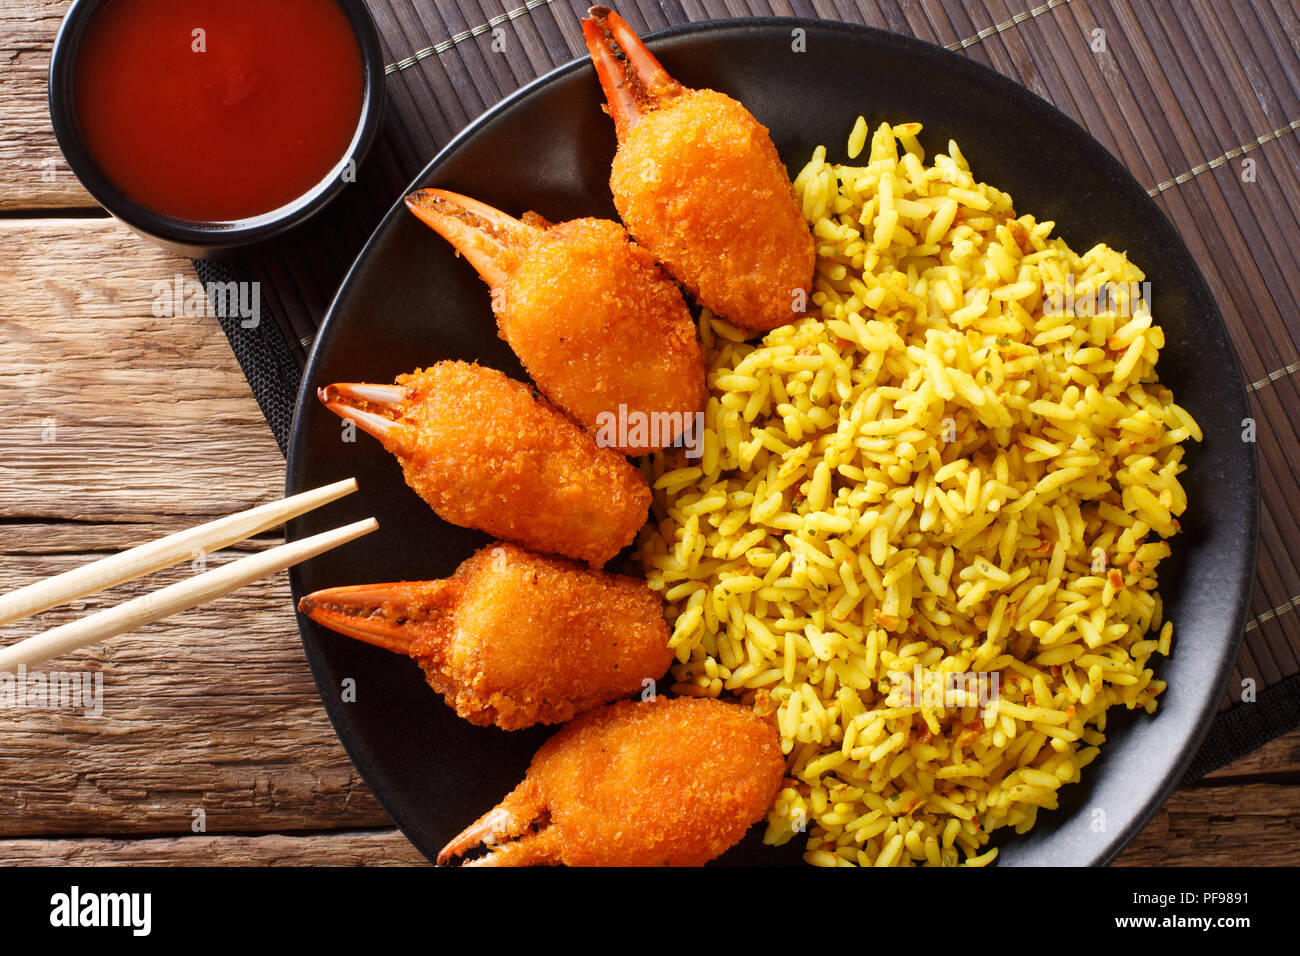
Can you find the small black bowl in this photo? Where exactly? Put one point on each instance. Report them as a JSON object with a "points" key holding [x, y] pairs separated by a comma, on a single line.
{"points": [[202, 240]]}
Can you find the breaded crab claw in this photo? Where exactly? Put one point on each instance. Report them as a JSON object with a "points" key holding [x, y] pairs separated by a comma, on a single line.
{"points": [[698, 182], [663, 782], [591, 316], [485, 452], [512, 638]]}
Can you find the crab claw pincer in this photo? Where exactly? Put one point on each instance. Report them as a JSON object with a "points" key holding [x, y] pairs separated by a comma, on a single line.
{"points": [[512, 638], [698, 182], [672, 782]]}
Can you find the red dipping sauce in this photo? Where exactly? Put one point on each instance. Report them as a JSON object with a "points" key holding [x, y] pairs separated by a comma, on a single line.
{"points": [[218, 110]]}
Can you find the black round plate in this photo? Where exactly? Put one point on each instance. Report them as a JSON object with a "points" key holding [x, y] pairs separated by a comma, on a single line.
{"points": [[408, 302]]}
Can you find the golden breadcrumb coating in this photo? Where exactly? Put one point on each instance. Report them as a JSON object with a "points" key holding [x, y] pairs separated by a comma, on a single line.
{"points": [[698, 182], [487, 453], [525, 639], [597, 325], [665, 782]]}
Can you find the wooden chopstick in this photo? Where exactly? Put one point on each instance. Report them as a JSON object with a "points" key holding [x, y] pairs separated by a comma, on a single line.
{"points": [[164, 552], [175, 598]]}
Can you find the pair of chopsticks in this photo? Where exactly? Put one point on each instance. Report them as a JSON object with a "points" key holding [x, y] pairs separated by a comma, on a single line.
{"points": [[164, 553]]}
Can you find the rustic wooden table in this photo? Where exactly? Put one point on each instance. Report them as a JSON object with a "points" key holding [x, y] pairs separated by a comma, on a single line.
{"points": [[118, 425]]}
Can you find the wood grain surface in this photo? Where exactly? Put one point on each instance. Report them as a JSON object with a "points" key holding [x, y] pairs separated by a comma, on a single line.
{"points": [[35, 175], [117, 425]]}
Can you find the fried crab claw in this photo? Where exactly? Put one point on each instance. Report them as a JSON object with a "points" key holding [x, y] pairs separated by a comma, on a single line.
{"points": [[698, 182], [591, 316], [485, 452], [512, 638], [672, 782]]}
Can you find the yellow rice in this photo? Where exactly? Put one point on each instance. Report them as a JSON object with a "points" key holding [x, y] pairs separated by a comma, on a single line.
{"points": [[932, 474]]}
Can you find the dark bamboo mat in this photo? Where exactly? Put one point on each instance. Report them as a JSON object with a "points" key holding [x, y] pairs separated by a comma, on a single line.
{"points": [[1200, 99]]}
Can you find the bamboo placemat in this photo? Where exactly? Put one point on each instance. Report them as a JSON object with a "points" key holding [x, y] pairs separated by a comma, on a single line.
{"points": [[1199, 99]]}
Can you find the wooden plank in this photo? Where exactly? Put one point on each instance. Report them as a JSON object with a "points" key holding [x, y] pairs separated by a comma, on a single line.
{"points": [[154, 429], [1253, 825], [111, 411], [36, 177], [187, 705], [77, 290], [181, 469], [360, 848], [94, 537]]}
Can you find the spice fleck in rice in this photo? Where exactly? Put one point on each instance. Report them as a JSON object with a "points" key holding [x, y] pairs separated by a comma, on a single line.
{"points": [[924, 528]]}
